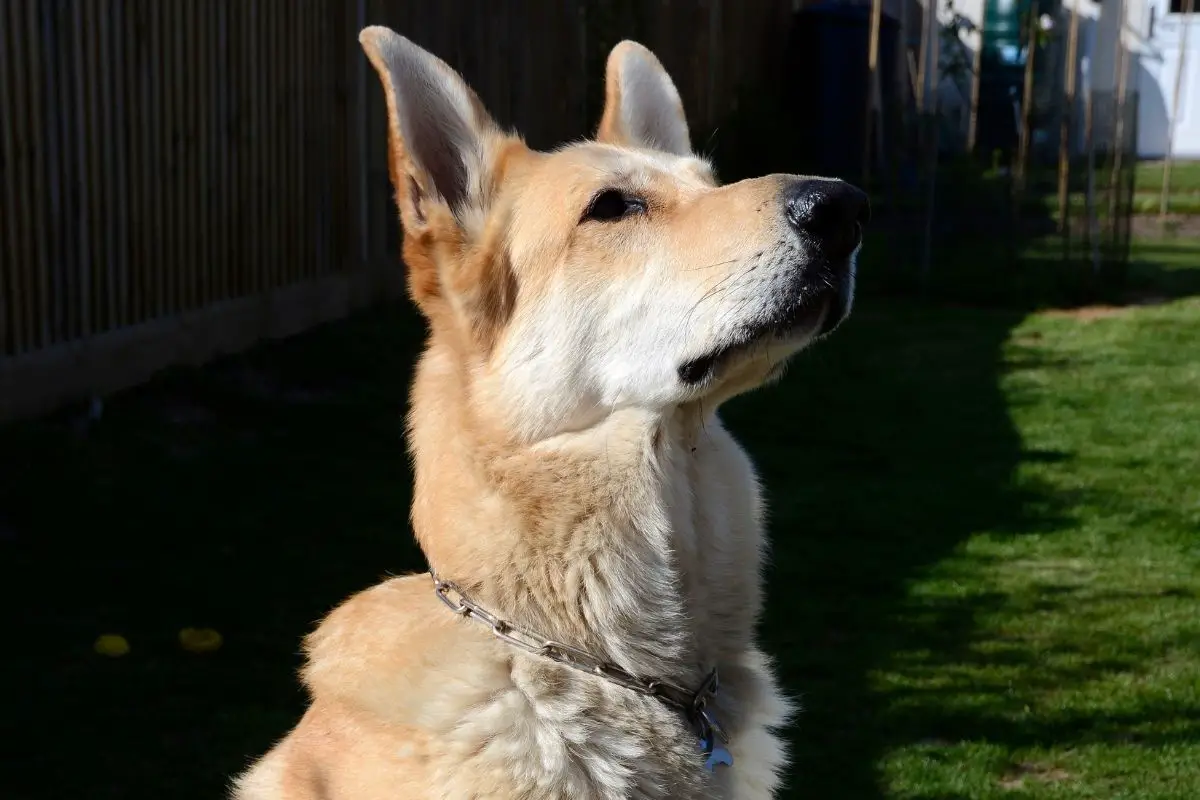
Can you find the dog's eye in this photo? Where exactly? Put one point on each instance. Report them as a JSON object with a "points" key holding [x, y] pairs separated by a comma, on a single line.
{"points": [[612, 205]]}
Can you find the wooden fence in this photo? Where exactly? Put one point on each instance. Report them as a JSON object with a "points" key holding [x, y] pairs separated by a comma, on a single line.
{"points": [[181, 178]]}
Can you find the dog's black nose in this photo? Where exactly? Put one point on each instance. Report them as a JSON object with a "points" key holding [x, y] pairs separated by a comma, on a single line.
{"points": [[829, 212]]}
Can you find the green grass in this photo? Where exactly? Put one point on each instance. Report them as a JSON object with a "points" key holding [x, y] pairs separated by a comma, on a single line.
{"points": [[1185, 176], [1143, 202], [1062, 653], [1041, 196], [985, 577], [1184, 197]]}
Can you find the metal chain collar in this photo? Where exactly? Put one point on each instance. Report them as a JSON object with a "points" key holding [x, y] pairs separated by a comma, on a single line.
{"points": [[694, 704]]}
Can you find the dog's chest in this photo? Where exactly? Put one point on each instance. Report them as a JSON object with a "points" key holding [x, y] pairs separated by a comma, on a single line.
{"points": [[714, 505], [559, 735]]}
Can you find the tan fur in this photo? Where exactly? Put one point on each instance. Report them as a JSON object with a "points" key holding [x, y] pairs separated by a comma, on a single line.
{"points": [[564, 477]]}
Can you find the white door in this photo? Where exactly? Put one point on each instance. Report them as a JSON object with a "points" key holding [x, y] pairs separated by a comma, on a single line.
{"points": [[1158, 66]]}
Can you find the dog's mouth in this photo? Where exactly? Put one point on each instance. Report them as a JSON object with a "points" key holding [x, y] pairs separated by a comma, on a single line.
{"points": [[812, 314]]}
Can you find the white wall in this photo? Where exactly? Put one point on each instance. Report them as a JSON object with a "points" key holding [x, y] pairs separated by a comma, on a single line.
{"points": [[1161, 54], [1154, 58]]}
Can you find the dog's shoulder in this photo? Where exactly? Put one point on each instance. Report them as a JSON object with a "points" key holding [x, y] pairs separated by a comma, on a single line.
{"points": [[391, 648], [396, 609]]}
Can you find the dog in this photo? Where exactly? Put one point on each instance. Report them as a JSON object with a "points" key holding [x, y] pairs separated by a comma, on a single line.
{"points": [[595, 536]]}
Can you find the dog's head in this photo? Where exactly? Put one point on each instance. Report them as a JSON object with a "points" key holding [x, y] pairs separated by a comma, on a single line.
{"points": [[607, 274]]}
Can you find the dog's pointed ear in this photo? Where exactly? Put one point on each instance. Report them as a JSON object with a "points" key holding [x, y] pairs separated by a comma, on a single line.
{"points": [[437, 127], [641, 104]]}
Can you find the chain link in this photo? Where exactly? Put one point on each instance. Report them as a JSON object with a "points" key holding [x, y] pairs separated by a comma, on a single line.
{"points": [[693, 703]]}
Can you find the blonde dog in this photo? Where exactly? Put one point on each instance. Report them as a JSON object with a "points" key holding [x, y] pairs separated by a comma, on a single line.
{"points": [[596, 536]]}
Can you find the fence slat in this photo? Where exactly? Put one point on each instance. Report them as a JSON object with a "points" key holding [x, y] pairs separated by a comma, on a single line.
{"points": [[155, 116], [255, 103], [59, 163], [92, 177], [219, 132], [141, 155], [178, 266], [240, 219], [205, 17], [189, 66], [105, 98], [275, 203], [119, 189], [12, 290]]}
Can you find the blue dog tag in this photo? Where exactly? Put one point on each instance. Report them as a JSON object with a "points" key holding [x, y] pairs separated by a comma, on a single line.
{"points": [[716, 755]]}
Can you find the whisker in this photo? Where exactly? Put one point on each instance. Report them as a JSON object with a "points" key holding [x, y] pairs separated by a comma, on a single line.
{"points": [[709, 266], [720, 286], [716, 291]]}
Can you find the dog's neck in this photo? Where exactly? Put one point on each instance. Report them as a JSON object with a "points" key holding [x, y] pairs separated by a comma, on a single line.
{"points": [[589, 538]]}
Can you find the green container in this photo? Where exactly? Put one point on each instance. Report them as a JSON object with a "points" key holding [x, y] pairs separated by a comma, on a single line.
{"points": [[1002, 31]]}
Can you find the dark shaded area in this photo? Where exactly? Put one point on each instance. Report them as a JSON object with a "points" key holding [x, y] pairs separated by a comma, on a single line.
{"points": [[828, 117], [863, 451], [249, 497]]}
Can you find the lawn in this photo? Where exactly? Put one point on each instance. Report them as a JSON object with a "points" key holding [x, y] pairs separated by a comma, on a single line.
{"points": [[1042, 191], [1184, 197], [985, 580], [1185, 176]]}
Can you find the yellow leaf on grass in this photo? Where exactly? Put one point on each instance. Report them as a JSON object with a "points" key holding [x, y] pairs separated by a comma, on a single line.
{"points": [[199, 640], [111, 644]]}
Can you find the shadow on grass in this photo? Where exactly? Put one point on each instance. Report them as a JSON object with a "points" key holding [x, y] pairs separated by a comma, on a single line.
{"points": [[249, 497], [882, 451]]}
